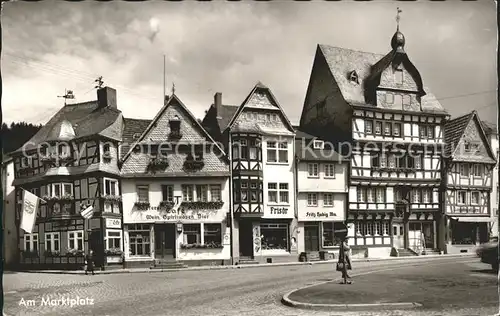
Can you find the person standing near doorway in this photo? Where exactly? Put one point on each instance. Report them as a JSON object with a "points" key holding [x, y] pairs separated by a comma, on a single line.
{"points": [[90, 263], [344, 262]]}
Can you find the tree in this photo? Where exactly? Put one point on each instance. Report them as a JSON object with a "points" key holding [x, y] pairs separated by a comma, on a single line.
{"points": [[17, 134]]}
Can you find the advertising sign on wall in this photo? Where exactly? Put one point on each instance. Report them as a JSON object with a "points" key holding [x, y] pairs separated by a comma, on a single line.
{"points": [[277, 211], [154, 215], [309, 214]]}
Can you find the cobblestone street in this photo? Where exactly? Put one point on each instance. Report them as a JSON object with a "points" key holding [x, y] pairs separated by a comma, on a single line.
{"points": [[252, 291]]}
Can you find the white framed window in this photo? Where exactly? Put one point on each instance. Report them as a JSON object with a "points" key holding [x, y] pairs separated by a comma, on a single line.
{"points": [[283, 152], [31, 242], [212, 234], [368, 127], [201, 192], [329, 170], [464, 170], [398, 100], [75, 240], [312, 199], [427, 195], [328, 199], [284, 194], [187, 192], [396, 129], [369, 228], [52, 242], [318, 144], [461, 197], [271, 152], [387, 129], [110, 187], [389, 98], [143, 193], [359, 229], [377, 228], [380, 195], [475, 197], [478, 170], [312, 170], [385, 228], [370, 192], [361, 193], [417, 162], [378, 128], [416, 196], [191, 233], [215, 192], [167, 192], [272, 192], [398, 195], [139, 239], [60, 189], [398, 75], [114, 239], [383, 161]]}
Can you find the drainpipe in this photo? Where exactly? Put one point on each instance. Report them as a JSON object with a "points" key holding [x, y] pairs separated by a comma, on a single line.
{"points": [[231, 213]]}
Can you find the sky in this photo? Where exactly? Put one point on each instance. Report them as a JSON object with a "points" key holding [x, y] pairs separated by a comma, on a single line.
{"points": [[228, 47]]}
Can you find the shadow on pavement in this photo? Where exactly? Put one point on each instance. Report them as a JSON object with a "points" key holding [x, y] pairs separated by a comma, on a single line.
{"points": [[486, 271]]}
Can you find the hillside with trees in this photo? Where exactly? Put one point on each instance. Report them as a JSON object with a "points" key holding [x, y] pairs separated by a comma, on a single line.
{"points": [[15, 135]]}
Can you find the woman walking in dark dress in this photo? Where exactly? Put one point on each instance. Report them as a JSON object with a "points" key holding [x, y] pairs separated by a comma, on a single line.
{"points": [[90, 263], [344, 262]]}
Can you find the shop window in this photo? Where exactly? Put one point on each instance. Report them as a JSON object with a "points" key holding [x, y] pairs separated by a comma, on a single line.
{"points": [[187, 192], [75, 240], [328, 199], [274, 236], [192, 233], [329, 238], [212, 234], [215, 192], [114, 238], [52, 242], [140, 240], [329, 170], [31, 242], [312, 199], [312, 170], [143, 193], [167, 192]]}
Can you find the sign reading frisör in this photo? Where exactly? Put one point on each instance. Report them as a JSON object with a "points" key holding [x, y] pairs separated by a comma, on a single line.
{"points": [[306, 214], [113, 223], [278, 211], [155, 215]]}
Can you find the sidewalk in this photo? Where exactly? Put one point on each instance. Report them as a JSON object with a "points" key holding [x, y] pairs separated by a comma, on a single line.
{"points": [[424, 287], [244, 266]]}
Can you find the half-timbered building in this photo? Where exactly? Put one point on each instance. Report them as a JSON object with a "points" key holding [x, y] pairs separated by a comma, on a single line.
{"points": [[321, 178], [72, 162], [376, 108], [492, 135], [467, 183], [260, 142], [10, 251], [175, 186]]}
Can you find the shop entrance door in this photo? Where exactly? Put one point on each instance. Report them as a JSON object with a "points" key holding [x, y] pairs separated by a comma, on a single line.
{"points": [[165, 241], [398, 235], [246, 238], [311, 238]]}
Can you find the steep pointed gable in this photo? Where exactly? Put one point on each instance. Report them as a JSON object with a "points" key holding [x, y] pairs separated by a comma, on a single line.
{"points": [[261, 98], [464, 131], [192, 133]]}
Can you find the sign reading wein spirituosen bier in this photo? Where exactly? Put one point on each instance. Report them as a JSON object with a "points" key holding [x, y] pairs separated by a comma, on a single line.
{"points": [[157, 214]]}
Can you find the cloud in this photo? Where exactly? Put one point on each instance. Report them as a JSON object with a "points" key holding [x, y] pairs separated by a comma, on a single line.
{"points": [[228, 47]]}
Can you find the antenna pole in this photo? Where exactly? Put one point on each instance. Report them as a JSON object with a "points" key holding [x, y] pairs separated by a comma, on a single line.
{"points": [[164, 83]]}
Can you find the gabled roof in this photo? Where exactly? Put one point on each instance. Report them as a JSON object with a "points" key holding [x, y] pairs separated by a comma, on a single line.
{"points": [[170, 100], [259, 86], [342, 61], [131, 128], [454, 130], [86, 119], [489, 128], [304, 150]]}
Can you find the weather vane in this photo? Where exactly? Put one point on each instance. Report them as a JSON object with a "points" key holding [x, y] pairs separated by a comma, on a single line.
{"points": [[398, 17], [99, 82]]}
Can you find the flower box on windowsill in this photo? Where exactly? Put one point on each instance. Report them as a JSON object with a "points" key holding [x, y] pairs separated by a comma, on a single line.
{"points": [[142, 205], [64, 198], [200, 246], [190, 164], [112, 198], [209, 205], [166, 205], [114, 252], [75, 253], [51, 254], [157, 164]]}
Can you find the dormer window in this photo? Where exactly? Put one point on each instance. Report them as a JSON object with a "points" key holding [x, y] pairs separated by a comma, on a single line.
{"points": [[353, 77], [318, 144], [398, 75], [175, 127]]}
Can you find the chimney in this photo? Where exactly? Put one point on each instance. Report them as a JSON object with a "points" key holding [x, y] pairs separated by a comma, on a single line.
{"points": [[217, 102], [106, 97]]}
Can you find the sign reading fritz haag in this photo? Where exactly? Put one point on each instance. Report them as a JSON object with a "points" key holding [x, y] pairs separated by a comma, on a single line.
{"points": [[330, 215], [152, 215]]}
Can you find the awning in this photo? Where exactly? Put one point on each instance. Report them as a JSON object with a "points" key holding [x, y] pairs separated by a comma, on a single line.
{"points": [[474, 219]]}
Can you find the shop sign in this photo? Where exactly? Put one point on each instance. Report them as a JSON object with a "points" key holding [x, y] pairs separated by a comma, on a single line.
{"points": [[320, 215], [278, 212], [113, 223], [174, 216]]}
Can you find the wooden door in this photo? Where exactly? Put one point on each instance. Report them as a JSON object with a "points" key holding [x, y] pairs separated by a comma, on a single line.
{"points": [[311, 238]]}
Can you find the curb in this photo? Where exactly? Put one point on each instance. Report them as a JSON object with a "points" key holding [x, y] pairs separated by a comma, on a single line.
{"points": [[260, 265], [285, 300]]}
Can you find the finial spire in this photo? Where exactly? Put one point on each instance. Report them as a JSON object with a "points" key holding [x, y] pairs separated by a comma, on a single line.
{"points": [[173, 88], [398, 17]]}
